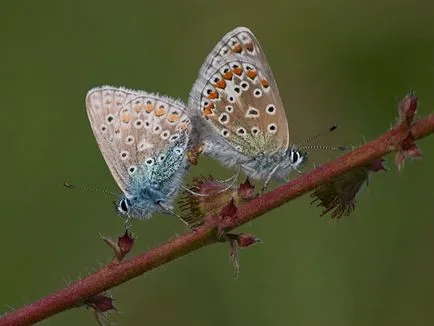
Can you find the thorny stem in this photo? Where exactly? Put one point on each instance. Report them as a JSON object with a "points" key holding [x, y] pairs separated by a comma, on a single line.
{"points": [[112, 275]]}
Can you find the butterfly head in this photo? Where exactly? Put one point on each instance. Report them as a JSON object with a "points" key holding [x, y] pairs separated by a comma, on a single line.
{"points": [[294, 158], [142, 204]]}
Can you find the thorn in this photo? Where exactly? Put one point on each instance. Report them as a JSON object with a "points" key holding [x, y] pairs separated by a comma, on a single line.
{"points": [[100, 303], [246, 190], [120, 248], [229, 210]]}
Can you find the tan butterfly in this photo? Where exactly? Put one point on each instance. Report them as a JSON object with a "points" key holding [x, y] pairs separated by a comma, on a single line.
{"points": [[238, 113], [143, 138]]}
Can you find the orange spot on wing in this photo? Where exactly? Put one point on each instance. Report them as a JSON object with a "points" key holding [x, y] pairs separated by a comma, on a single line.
{"points": [[213, 95], [249, 46], [221, 84], [149, 107], [173, 117], [160, 111], [137, 108], [126, 118], [207, 110], [265, 83], [237, 48], [183, 126], [228, 75], [252, 74], [237, 71]]}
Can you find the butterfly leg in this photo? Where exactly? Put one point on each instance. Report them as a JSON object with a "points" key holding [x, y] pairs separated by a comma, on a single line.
{"points": [[269, 179], [232, 181], [169, 210]]}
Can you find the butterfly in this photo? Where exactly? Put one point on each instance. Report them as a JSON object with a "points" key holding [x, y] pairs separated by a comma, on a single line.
{"points": [[143, 138], [237, 111]]}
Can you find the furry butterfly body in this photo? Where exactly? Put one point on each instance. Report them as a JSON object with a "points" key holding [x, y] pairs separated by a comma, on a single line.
{"points": [[237, 111], [143, 138]]}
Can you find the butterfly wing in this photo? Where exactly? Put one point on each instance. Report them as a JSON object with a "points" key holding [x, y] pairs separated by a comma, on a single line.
{"points": [[238, 97], [138, 133]]}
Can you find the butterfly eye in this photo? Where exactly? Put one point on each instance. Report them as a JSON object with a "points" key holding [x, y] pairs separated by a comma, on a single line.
{"points": [[132, 169], [237, 90], [157, 129], [103, 128], [229, 108], [271, 109], [272, 128], [123, 206], [244, 85], [294, 157], [161, 158]]}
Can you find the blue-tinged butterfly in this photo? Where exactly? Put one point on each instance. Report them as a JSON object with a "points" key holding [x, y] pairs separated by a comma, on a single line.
{"points": [[143, 138], [237, 111]]}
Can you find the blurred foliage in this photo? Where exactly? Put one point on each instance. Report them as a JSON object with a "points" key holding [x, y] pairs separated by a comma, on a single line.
{"points": [[343, 62]]}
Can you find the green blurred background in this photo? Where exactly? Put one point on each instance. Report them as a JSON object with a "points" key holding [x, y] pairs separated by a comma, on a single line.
{"points": [[343, 62]]}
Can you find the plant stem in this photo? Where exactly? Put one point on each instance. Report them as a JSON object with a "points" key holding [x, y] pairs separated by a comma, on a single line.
{"points": [[112, 275]]}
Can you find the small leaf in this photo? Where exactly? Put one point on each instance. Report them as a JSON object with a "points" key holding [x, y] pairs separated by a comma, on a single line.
{"points": [[100, 303], [244, 240], [339, 194], [120, 248], [407, 149], [408, 108], [236, 241]]}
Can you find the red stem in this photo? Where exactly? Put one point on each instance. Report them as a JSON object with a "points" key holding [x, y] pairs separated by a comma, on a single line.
{"points": [[113, 275]]}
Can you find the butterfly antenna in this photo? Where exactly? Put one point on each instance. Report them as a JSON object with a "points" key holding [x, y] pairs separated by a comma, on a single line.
{"points": [[71, 186], [314, 147], [331, 129]]}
